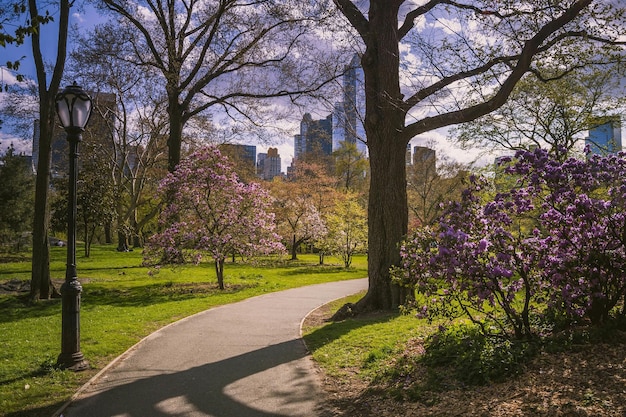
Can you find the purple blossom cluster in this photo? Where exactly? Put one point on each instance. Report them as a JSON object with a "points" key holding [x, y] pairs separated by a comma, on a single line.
{"points": [[210, 211], [556, 241]]}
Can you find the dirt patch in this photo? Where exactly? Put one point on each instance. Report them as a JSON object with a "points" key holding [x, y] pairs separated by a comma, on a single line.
{"points": [[14, 286], [588, 381]]}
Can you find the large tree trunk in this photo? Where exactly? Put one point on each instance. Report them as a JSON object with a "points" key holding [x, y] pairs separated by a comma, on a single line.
{"points": [[174, 142], [386, 127], [388, 207]]}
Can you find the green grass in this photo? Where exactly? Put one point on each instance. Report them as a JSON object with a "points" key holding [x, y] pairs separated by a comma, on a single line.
{"points": [[365, 344], [121, 304]]}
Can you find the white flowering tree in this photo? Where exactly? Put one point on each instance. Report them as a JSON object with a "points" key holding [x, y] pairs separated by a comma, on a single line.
{"points": [[213, 213]]}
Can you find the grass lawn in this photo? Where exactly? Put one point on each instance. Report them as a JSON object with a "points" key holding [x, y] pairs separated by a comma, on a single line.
{"points": [[121, 303]]}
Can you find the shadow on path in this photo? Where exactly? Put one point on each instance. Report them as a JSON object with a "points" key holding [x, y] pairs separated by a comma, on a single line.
{"points": [[214, 389]]}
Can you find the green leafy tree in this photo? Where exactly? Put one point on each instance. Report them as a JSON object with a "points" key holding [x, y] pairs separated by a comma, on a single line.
{"points": [[347, 228], [552, 115], [96, 198], [350, 167], [17, 187], [12, 32]]}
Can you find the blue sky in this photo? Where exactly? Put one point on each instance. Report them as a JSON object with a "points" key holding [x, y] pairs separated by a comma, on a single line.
{"points": [[81, 20]]}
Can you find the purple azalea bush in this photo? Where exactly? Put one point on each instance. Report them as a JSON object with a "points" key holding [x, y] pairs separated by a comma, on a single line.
{"points": [[554, 242], [210, 211]]}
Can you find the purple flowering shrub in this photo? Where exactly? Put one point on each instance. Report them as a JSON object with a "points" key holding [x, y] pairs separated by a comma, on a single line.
{"points": [[583, 216], [471, 264], [555, 241], [211, 212]]}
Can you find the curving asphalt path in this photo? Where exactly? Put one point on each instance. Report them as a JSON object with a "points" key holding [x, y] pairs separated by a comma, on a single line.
{"points": [[239, 360]]}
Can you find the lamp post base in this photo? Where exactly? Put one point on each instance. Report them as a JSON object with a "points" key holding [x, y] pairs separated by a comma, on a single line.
{"points": [[72, 361]]}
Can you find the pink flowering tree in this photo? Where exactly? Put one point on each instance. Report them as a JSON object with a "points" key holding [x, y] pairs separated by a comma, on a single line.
{"points": [[211, 213], [555, 242]]}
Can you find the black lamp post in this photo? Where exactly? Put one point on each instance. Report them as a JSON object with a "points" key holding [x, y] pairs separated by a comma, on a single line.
{"points": [[73, 105]]}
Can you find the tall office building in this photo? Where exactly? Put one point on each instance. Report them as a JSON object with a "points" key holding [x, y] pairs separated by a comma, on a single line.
{"points": [[269, 164], [348, 115], [344, 124], [606, 138], [315, 137], [424, 156], [240, 153]]}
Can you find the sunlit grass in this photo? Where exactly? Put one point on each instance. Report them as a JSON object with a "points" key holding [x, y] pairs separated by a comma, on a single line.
{"points": [[363, 344], [122, 303]]}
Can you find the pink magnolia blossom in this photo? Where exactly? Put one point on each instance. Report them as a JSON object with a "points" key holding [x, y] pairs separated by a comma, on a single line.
{"points": [[210, 211]]}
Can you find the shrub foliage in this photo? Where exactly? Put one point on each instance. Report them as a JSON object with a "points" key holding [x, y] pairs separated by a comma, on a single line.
{"points": [[553, 245]]}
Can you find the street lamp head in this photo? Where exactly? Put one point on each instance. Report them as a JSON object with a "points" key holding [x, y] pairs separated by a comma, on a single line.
{"points": [[73, 105]]}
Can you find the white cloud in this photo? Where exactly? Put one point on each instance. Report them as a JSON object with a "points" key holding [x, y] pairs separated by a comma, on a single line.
{"points": [[7, 77], [20, 145]]}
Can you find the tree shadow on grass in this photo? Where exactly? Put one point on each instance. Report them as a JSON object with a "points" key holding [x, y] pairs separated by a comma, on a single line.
{"points": [[16, 307], [44, 411], [156, 293]]}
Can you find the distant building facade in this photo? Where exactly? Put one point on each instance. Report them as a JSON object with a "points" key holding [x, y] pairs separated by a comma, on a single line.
{"points": [[243, 153], [269, 164], [315, 137], [344, 124], [353, 105], [425, 157]]}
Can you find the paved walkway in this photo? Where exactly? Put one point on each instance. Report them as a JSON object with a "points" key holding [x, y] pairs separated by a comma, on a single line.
{"points": [[240, 360]]}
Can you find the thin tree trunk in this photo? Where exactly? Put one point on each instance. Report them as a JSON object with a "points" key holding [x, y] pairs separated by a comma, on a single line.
{"points": [[108, 239], [294, 247], [219, 271], [41, 284]]}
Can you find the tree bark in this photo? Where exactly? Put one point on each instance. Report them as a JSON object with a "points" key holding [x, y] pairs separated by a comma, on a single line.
{"points": [[294, 248], [384, 124], [174, 142], [388, 132], [41, 284], [219, 271]]}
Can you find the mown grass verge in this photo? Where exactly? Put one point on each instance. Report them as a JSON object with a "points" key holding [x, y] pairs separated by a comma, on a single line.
{"points": [[121, 304]]}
